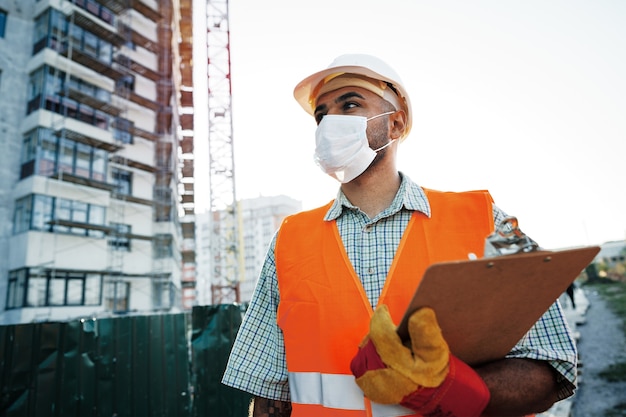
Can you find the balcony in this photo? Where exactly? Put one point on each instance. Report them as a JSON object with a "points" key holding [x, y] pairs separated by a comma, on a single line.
{"points": [[138, 68], [145, 10], [87, 140], [93, 102], [86, 22], [76, 179], [117, 159], [144, 134], [93, 63]]}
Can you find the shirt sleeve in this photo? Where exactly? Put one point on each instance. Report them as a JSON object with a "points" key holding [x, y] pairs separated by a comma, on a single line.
{"points": [[550, 339], [257, 360]]}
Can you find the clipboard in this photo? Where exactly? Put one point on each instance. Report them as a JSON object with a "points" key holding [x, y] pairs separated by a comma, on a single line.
{"points": [[484, 307]]}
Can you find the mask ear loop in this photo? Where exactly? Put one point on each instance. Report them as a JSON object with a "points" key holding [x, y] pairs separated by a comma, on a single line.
{"points": [[384, 146], [391, 141], [380, 115]]}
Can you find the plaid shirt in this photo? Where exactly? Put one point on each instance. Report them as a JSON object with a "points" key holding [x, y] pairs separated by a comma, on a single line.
{"points": [[257, 361]]}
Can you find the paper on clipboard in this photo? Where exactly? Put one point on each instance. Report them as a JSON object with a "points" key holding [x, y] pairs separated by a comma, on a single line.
{"points": [[485, 306]]}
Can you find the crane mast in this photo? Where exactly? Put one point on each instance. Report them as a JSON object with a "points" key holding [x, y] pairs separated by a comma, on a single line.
{"points": [[224, 243]]}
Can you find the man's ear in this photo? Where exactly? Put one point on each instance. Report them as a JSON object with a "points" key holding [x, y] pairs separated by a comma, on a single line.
{"points": [[398, 124]]}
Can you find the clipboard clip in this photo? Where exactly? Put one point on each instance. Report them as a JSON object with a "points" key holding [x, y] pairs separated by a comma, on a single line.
{"points": [[508, 239]]}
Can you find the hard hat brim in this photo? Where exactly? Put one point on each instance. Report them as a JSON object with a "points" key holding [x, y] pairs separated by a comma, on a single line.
{"points": [[305, 89]]}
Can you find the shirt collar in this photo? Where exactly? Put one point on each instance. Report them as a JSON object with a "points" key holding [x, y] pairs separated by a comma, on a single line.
{"points": [[410, 196]]}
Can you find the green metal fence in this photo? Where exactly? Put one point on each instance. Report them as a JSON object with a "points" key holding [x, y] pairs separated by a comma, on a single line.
{"points": [[157, 365]]}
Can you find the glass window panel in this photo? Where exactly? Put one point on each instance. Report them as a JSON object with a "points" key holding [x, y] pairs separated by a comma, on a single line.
{"points": [[79, 211], [74, 83], [47, 152], [58, 22], [83, 160], [119, 239], [3, 22], [75, 287], [42, 212], [96, 217], [66, 156], [116, 296], [96, 214], [63, 209], [56, 292], [17, 284], [52, 82], [22, 214], [107, 15], [103, 95], [99, 165], [76, 35], [36, 295], [93, 287], [29, 147], [85, 114], [93, 7], [41, 27], [101, 119], [35, 84], [105, 52], [123, 181], [71, 107]]}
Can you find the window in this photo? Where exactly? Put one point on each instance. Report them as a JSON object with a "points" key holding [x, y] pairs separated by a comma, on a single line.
{"points": [[28, 288], [125, 84], [17, 285], [52, 31], [117, 296], [47, 87], [66, 155], [119, 238], [39, 212], [123, 181], [162, 246], [3, 22], [99, 164], [123, 130], [44, 153]]}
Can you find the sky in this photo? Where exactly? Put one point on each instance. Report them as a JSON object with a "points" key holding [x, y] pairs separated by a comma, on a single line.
{"points": [[524, 98]]}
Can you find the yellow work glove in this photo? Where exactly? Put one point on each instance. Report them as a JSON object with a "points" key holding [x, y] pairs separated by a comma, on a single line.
{"points": [[424, 377]]}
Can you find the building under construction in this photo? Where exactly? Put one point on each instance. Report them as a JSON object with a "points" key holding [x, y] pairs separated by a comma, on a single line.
{"points": [[96, 127]]}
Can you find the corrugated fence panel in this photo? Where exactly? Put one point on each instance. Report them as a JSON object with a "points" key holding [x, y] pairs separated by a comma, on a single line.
{"points": [[214, 329], [126, 366], [159, 365]]}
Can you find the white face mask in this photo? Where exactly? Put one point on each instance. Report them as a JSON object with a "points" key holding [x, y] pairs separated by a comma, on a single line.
{"points": [[341, 146]]}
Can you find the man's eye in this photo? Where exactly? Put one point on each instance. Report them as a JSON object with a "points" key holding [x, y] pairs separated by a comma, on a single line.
{"points": [[318, 117], [350, 105]]}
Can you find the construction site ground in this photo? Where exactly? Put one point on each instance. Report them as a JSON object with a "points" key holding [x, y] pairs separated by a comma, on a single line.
{"points": [[601, 342]]}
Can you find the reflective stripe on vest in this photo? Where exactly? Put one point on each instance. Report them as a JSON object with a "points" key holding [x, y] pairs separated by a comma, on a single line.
{"points": [[324, 312], [336, 391]]}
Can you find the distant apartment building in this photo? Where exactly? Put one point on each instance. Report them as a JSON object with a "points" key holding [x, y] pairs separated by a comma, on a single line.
{"points": [[259, 220], [90, 207]]}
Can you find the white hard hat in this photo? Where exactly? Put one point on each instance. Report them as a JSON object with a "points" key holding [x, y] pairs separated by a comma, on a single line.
{"points": [[359, 64]]}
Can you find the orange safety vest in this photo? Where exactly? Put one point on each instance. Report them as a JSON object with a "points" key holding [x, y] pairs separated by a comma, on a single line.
{"points": [[324, 312]]}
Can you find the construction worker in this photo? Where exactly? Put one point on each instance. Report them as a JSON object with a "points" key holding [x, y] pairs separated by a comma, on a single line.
{"points": [[347, 270]]}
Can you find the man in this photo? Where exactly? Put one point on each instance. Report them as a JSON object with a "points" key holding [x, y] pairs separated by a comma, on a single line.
{"points": [[346, 270]]}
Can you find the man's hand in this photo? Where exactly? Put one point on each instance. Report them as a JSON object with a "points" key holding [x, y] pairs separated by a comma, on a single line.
{"points": [[426, 377]]}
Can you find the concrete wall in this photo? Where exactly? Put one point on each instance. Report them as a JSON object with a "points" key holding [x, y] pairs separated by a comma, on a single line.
{"points": [[15, 51]]}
